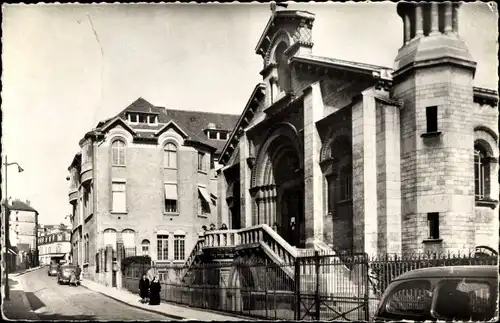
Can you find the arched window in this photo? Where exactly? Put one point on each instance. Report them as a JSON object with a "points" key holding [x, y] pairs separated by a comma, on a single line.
{"points": [[118, 153], [128, 236], [145, 247], [170, 156], [481, 173], [110, 238]]}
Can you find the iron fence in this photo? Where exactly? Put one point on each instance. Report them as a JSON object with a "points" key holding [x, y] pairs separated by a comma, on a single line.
{"points": [[313, 287]]}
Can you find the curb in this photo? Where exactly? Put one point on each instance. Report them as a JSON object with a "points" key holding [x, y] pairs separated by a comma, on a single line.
{"points": [[175, 317]]}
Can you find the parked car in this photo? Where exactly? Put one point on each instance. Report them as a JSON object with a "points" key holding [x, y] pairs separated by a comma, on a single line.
{"points": [[65, 274], [52, 271], [441, 293]]}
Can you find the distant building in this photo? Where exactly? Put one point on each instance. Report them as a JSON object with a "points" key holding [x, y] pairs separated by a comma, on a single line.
{"points": [[145, 180], [54, 245], [23, 232]]}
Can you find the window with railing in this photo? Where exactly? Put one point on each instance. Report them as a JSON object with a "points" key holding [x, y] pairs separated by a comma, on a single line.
{"points": [[145, 247], [162, 247], [128, 236], [179, 247], [119, 197]]}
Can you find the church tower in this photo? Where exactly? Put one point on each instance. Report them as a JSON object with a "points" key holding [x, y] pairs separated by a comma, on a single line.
{"points": [[433, 78]]}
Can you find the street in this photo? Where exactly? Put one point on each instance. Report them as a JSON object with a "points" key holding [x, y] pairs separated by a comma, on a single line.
{"points": [[52, 301]]}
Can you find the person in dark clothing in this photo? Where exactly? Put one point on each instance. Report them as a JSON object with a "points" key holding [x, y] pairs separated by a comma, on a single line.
{"points": [[78, 274], [144, 288], [212, 227], [223, 227], [154, 291], [204, 228]]}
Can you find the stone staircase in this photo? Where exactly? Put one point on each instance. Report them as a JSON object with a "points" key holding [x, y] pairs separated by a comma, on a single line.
{"points": [[335, 279]]}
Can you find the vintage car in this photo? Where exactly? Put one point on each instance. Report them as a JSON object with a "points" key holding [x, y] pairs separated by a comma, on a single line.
{"points": [[66, 273], [441, 293], [52, 270]]}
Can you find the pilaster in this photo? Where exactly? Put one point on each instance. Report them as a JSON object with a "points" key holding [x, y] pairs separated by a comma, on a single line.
{"points": [[389, 179], [245, 182], [313, 176], [222, 209], [365, 226]]}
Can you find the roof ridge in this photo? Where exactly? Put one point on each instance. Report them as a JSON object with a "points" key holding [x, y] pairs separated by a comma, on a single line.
{"points": [[207, 112], [343, 60]]}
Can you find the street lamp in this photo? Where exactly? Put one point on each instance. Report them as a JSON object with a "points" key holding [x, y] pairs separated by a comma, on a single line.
{"points": [[7, 227]]}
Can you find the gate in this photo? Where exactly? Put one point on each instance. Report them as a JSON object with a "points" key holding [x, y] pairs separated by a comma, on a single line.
{"points": [[331, 287]]}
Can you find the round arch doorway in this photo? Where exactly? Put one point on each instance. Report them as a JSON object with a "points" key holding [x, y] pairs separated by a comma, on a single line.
{"points": [[279, 190], [290, 197]]}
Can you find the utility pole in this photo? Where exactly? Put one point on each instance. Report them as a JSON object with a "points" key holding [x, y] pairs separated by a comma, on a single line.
{"points": [[7, 228], [7, 232]]}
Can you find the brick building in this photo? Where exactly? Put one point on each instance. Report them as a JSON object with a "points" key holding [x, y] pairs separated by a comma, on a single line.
{"points": [[338, 155], [145, 179]]}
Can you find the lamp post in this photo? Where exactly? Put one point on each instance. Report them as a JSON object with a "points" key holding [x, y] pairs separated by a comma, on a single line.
{"points": [[7, 227]]}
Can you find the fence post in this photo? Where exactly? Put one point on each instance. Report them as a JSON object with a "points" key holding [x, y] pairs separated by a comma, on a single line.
{"points": [[366, 276], [297, 289], [316, 294]]}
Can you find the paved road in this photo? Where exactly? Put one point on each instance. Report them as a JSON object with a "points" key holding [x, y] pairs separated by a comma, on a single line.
{"points": [[52, 301]]}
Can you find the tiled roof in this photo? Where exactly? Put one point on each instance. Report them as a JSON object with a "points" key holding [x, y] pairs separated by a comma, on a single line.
{"points": [[20, 206], [193, 123]]}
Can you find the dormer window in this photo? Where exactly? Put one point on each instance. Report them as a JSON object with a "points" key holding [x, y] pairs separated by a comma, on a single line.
{"points": [[216, 134], [142, 118]]}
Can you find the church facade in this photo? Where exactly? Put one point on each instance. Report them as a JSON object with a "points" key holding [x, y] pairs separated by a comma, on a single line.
{"points": [[344, 156]]}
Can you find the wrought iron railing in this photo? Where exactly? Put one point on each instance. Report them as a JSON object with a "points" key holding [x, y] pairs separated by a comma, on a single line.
{"points": [[263, 289]]}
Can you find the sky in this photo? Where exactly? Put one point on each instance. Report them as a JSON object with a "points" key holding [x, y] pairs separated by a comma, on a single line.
{"points": [[68, 66]]}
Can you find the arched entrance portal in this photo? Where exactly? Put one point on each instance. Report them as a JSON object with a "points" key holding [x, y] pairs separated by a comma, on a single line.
{"points": [[278, 187]]}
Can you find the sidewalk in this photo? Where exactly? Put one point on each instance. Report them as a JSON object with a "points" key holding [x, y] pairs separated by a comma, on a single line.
{"points": [[23, 271], [17, 307], [175, 311]]}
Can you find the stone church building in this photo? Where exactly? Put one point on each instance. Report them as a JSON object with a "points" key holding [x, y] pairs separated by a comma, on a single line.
{"points": [[345, 156]]}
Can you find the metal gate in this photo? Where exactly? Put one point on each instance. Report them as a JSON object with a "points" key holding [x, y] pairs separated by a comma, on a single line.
{"points": [[331, 287]]}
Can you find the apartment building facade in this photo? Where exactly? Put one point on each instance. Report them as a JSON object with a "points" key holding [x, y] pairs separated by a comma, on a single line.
{"points": [[347, 156], [54, 246], [145, 179]]}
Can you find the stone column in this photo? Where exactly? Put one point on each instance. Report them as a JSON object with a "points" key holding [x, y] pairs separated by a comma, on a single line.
{"points": [[419, 30], [365, 227], [313, 176], [456, 6], [265, 202], [273, 207], [245, 182], [407, 29], [434, 18], [448, 13]]}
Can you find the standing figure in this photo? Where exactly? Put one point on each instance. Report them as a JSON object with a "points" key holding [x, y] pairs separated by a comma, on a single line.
{"points": [[144, 288], [212, 227], [154, 292]]}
